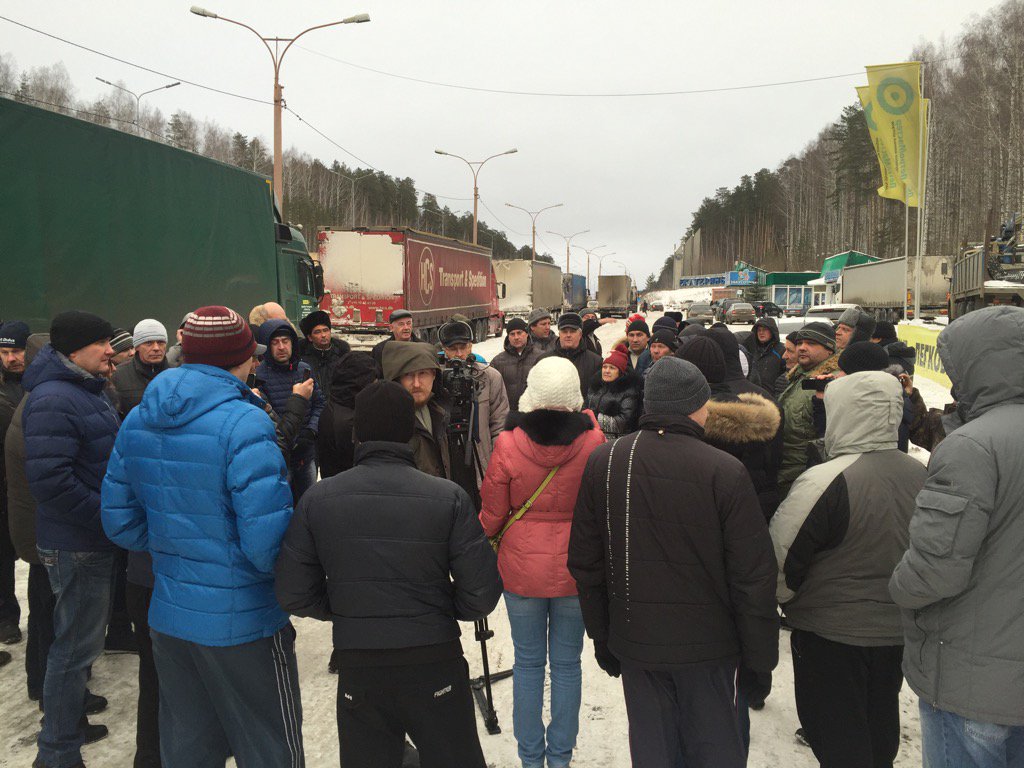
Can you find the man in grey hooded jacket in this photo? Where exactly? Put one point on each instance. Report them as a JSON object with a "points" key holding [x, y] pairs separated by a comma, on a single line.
{"points": [[960, 582]]}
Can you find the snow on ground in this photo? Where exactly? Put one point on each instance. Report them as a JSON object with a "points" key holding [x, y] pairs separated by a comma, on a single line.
{"points": [[603, 731]]}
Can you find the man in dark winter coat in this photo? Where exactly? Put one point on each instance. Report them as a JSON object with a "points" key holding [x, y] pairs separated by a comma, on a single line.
{"points": [[570, 346], [638, 335], [133, 376], [319, 349], [959, 582], [735, 379], [69, 428], [852, 326], [401, 326], [395, 601], [838, 536], [591, 323], [416, 368], [539, 321], [679, 597], [766, 364], [13, 339], [515, 363], [335, 443], [280, 370], [747, 426]]}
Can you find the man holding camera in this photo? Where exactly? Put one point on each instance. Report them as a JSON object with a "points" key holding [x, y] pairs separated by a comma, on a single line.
{"points": [[815, 356], [492, 407], [414, 365]]}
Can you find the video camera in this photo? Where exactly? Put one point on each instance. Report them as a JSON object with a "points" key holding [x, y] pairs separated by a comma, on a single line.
{"points": [[462, 387]]}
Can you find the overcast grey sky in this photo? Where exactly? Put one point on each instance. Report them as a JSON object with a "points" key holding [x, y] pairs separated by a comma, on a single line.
{"points": [[632, 170]]}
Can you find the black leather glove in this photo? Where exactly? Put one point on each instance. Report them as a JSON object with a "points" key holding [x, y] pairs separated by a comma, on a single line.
{"points": [[606, 660], [755, 686]]}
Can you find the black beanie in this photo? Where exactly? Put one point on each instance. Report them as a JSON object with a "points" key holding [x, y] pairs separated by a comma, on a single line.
{"points": [[707, 355], [819, 333], [385, 411], [666, 337], [863, 356], [638, 325], [14, 334], [665, 322], [73, 330], [516, 324], [885, 332]]}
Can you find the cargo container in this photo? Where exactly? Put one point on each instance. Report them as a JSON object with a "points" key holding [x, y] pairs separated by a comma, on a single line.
{"points": [[574, 292], [992, 274], [372, 271], [615, 295], [128, 228], [528, 285], [878, 287]]}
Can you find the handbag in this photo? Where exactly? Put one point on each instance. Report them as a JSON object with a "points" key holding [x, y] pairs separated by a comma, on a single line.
{"points": [[496, 540]]}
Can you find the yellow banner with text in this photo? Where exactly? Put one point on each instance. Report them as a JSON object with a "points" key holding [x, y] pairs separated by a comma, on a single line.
{"points": [[923, 340]]}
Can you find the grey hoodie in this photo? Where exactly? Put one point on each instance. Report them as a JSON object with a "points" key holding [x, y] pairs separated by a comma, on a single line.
{"points": [[844, 525], [961, 582]]}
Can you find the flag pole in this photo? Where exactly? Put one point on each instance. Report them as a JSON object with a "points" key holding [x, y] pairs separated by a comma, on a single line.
{"points": [[922, 180], [906, 248]]}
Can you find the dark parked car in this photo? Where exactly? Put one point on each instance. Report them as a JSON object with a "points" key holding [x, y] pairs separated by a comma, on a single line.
{"points": [[767, 309], [700, 312], [723, 306], [740, 312]]}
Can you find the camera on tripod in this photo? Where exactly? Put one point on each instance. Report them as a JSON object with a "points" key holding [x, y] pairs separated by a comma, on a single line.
{"points": [[458, 381]]}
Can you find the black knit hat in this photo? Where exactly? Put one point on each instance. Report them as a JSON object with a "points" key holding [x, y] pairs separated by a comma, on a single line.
{"points": [[14, 334], [639, 325], [885, 332], [385, 411], [818, 332], [863, 356], [71, 331], [666, 337], [665, 322], [312, 320], [707, 355], [676, 317], [516, 324]]}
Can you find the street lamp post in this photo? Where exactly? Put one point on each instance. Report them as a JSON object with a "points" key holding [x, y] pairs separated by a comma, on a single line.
{"points": [[533, 216], [352, 198], [568, 239], [277, 56], [474, 167], [138, 98], [589, 251]]}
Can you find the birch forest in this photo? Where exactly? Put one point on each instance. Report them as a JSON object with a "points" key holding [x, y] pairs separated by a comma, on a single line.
{"points": [[823, 200]]}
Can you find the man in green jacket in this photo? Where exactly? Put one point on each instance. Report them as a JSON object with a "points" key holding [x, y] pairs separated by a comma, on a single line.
{"points": [[815, 356]]}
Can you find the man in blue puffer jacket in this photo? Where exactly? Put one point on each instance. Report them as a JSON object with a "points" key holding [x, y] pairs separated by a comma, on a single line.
{"points": [[69, 427], [197, 480], [280, 370]]}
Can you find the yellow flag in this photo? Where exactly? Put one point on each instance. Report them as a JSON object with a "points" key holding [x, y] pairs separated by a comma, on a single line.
{"points": [[891, 188], [896, 94]]}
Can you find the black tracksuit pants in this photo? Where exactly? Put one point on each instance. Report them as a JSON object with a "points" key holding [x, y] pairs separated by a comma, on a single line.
{"points": [[686, 716], [147, 726], [432, 703], [847, 697]]}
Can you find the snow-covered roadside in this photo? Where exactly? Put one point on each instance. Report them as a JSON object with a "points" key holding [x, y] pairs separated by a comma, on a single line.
{"points": [[603, 731]]}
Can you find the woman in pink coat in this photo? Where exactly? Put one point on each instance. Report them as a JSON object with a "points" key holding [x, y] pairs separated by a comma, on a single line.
{"points": [[543, 609]]}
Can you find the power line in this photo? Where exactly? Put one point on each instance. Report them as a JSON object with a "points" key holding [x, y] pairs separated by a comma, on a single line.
{"points": [[22, 97], [613, 95], [133, 64]]}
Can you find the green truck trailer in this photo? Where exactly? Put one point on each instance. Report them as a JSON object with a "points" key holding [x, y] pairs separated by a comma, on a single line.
{"points": [[126, 227]]}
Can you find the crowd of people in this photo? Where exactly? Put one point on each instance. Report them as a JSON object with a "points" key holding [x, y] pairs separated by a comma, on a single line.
{"points": [[666, 499]]}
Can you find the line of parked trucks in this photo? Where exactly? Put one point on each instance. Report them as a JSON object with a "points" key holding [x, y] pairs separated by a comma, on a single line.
{"points": [[104, 221]]}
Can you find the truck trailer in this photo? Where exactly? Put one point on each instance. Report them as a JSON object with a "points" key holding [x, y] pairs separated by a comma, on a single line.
{"points": [[878, 287], [529, 285], [100, 220], [372, 271], [615, 296], [990, 274], [574, 292]]}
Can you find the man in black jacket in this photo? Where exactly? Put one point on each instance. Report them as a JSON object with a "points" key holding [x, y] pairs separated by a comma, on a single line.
{"points": [[518, 359], [676, 577], [570, 345], [319, 349], [395, 572]]}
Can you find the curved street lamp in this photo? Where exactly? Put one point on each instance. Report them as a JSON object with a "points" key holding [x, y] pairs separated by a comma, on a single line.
{"points": [[277, 56], [474, 167], [138, 97], [533, 216], [568, 239]]}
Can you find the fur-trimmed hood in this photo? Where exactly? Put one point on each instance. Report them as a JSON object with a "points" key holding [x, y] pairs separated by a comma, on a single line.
{"points": [[551, 427], [747, 418]]}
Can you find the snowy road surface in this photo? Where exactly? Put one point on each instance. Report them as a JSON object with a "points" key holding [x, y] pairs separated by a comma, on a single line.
{"points": [[603, 732]]}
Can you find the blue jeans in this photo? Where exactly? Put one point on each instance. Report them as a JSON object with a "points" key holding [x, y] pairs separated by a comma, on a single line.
{"points": [[303, 476], [83, 585], [544, 628], [953, 741]]}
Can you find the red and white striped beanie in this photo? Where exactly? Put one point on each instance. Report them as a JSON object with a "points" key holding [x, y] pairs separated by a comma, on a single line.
{"points": [[216, 336]]}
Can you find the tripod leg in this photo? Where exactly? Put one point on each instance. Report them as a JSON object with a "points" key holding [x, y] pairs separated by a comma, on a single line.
{"points": [[482, 685]]}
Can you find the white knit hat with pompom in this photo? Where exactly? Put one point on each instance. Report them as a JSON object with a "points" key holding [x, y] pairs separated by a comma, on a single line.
{"points": [[552, 385]]}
